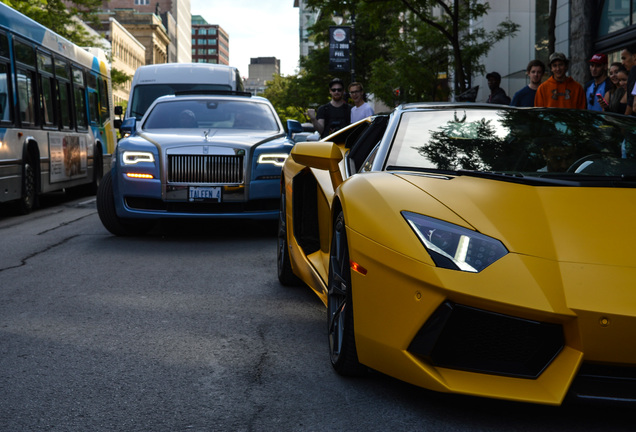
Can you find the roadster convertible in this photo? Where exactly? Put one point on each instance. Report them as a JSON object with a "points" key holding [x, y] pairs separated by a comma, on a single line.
{"points": [[472, 249]]}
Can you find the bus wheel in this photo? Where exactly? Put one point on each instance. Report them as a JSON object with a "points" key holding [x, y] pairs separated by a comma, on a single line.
{"points": [[28, 196], [98, 172], [108, 215]]}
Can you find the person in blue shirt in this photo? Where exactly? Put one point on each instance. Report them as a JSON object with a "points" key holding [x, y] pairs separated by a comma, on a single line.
{"points": [[525, 96], [600, 82]]}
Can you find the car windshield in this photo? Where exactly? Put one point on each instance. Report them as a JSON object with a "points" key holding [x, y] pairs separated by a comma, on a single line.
{"points": [[144, 95], [526, 142], [212, 114]]}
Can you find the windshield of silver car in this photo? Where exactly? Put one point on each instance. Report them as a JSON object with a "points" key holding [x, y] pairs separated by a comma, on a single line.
{"points": [[211, 114]]}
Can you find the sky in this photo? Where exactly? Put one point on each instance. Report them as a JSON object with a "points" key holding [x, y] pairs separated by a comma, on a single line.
{"points": [[257, 28]]}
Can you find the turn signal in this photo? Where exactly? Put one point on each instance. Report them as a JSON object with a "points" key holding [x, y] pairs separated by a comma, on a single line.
{"points": [[140, 175], [358, 268]]}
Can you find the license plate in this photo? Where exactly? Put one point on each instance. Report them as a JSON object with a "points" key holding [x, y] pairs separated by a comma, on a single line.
{"points": [[205, 194]]}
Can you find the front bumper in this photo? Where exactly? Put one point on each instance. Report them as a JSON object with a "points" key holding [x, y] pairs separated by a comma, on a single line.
{"points": [[150, 199], [519, 330]]}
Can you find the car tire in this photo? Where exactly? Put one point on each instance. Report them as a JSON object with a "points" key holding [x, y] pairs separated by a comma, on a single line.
{"points": [[108, 214], [342, 344], [286, 275], [28, 195]]}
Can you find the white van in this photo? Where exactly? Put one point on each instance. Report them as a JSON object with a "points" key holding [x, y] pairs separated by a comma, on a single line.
{"points": [[153, 81]]}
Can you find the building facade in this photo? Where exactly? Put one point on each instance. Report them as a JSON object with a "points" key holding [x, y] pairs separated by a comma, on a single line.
{"points": [[147, 28], [261, 70], [127, 54], [210, 43], [306, 18], [179, 11]]}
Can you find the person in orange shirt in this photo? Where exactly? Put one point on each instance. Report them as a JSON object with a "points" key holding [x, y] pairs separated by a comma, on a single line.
{"points": [[560, 91]]}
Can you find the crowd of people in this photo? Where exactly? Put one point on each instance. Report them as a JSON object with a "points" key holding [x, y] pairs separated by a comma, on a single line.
{"points": [[611, 88]]}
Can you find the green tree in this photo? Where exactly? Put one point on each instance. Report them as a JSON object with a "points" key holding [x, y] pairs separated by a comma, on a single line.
{"points": [[288, 97], [61, 16], [408, 43]]}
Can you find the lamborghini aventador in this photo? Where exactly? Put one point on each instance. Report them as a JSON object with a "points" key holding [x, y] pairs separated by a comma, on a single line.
{"points": [[473, 249]]}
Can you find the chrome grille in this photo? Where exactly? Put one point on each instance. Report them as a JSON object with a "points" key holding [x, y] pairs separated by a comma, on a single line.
{"points": [[205, 169]]}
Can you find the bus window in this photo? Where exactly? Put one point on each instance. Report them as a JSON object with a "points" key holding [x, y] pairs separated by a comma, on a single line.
{"points": [[47, 95], [4, 45], [5, 107], [79, 95], [5, 81], [93, 98], [104, 105], [25, 54], [64, 93], [63, 76], [26, 97]]}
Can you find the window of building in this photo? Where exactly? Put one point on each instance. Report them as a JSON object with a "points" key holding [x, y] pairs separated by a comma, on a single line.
{"points": [[142, 2], [617, 15], [202, 41]]}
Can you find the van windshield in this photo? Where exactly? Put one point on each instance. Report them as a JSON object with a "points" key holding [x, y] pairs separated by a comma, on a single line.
{"points": [[144, 95]]}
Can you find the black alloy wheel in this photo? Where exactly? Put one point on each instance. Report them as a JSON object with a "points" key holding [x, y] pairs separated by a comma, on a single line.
{"points": [[29, 192], [342, 344]]}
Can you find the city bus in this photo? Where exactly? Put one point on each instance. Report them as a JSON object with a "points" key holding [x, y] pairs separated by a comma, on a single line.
{"points": [[56, 114]]}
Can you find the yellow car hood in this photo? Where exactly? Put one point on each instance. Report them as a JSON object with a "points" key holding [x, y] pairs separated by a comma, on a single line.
{"points": [[592, 225]]}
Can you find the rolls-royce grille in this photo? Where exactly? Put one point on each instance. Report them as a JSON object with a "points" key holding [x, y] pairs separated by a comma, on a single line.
{"points": [[205, 169]]}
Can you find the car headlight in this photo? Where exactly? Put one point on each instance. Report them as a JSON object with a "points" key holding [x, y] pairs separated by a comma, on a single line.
{"points": [[134, 157], [277, 159], [454, 247]]}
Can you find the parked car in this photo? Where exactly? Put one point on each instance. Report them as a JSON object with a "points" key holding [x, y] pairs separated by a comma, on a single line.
{"points": [[473, 249], [196, 156]]}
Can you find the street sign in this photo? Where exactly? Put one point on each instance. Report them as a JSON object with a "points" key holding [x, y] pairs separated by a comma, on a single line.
{"points": [[339, 48]]}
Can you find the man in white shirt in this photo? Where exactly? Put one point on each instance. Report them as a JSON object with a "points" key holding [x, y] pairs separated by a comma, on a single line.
{"points": [[360, 108]]}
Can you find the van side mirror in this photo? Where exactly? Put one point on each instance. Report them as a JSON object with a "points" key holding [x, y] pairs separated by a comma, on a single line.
{"points": [[119, 110]]}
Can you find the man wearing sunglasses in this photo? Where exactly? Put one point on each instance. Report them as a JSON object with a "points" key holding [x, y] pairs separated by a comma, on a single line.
{"points": [[333, 115]]}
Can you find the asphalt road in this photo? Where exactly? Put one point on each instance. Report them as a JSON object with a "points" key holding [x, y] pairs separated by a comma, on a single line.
{"points": [[188, 329]]}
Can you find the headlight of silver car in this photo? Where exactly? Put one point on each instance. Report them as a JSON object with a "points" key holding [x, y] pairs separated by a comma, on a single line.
{"points": [[454, 247], [277, 159], [134, 157]]}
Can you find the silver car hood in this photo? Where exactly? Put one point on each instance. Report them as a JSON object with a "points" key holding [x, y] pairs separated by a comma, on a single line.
{"points": [[172, 138]]}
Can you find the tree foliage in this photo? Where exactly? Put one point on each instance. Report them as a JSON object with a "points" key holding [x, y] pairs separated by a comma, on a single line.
{"points": [[405, 50], [61, 16]]}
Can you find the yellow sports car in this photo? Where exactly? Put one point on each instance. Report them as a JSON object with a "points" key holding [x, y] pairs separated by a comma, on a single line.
{"points": [[473, 249]]}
